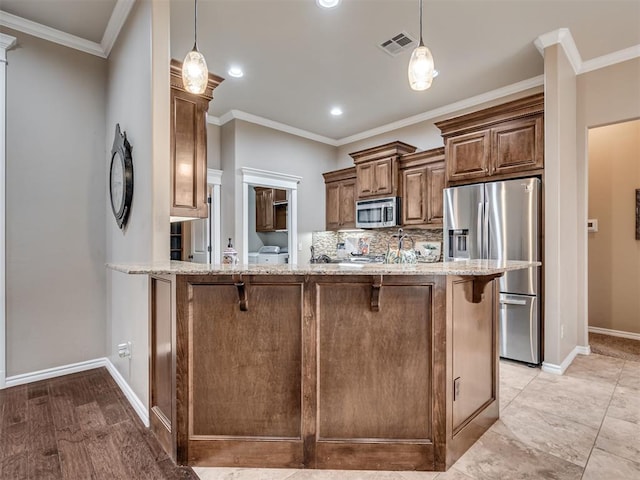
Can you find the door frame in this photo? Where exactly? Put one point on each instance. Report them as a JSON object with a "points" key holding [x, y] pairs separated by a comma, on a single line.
{"points": [[6, 42], [284, 181], [214, 180]]}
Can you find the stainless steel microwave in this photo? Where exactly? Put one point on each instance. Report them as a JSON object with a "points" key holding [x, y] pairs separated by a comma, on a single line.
{"points": [[378, 213]]}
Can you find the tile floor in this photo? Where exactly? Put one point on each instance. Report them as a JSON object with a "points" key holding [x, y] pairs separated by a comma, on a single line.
{"points": [[581, 425]]}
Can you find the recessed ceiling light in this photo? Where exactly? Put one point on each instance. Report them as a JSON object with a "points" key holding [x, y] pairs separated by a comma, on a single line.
{"points": [[235, 72], [328, 3], [435, 73], [336, 111]]}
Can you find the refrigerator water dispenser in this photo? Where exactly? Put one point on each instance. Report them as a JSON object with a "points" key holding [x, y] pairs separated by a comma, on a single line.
{"points": [[458, 243]]}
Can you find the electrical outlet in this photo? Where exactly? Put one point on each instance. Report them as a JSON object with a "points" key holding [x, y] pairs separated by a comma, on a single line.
{"points": [[456, 389], [124, 350], [561, 331]]}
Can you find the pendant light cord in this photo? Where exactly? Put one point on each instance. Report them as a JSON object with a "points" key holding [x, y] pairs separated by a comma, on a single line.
{"points": [[195, 24], [421, 42]]}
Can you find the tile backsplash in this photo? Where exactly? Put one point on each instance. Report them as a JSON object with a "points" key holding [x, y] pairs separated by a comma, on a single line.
{"points": [[376, 240]]}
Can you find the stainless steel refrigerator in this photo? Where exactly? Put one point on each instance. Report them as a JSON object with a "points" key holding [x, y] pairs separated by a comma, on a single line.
{"points": [[500, 220]]}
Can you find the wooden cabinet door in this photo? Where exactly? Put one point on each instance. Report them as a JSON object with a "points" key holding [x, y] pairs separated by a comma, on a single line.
{"points": [[436, 178], [341, 204], [383, 174], [264, 210], [518, 145], [332, 202], [375, 401], [366, 179], [468, 155], [414, 196], [188, 143], [347, 204], [376, 178]]}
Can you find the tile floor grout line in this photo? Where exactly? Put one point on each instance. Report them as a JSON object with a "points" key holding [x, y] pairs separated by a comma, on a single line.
{"points": [[602, 421]]}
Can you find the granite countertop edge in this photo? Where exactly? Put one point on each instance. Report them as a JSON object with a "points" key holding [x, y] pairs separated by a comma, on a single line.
{"points": [[460, 267]]}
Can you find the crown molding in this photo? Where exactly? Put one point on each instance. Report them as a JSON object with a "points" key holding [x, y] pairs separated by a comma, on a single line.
{"points": [[438, 112], [610, 59], [51, 34], [116, 22], [265, 122], [447, 109], [6, 42], [103, 49], [563, 37]]}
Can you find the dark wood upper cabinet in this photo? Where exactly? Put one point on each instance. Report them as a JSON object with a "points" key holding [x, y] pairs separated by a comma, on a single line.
{"points": [[271, 209], [189, 146], [377, 170], [340, 188], [498, 142], [422, 181]]}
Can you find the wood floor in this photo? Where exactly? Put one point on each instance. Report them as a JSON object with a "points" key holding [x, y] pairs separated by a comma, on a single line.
{"points": [[78, 427]]}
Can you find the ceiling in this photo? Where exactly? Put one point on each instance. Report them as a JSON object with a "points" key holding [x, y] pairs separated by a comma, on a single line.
{"points": [[300, 60]]}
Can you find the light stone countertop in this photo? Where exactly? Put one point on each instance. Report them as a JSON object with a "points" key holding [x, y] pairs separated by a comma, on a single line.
{"points": [[460, 267]]}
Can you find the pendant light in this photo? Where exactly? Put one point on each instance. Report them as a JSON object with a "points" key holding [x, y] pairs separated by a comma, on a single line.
{"points": [[421, 66], [194, 68]]}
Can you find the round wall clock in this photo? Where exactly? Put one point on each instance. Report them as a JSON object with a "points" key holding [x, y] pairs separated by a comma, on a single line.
{"points": [[121, 178]]}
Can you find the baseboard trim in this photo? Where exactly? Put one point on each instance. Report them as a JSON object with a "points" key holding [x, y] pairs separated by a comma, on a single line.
{"points": [[615, 333], [54, 372], [582, 350], [560, 369], [128, 392], [49, 373]]}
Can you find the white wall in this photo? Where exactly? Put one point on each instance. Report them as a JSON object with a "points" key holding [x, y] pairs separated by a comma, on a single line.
{"points": [[228, 188], [55, 214], [140, 106], [213, 145]]}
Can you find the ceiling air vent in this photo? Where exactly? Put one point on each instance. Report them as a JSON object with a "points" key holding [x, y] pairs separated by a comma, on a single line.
{"points": [[398, 44]]}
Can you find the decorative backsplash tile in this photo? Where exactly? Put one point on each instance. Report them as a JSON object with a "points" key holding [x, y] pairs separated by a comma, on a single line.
{"points": [[375, 241]]}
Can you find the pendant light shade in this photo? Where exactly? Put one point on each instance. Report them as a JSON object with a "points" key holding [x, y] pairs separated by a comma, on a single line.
{"points": [[195, 74], [421, 66]]}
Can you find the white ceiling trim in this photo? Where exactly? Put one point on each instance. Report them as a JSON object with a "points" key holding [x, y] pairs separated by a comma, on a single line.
{"points": [[563, 37], [51, 34], [116, 22], [447, 109], [610, 59], [103, 49], [265, 122], [438, 112]]}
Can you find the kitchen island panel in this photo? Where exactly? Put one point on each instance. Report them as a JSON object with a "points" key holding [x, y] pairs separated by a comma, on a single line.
{"points": [[239, 346], [245, 375], [378, 373], [375, 366], [472, 366]]}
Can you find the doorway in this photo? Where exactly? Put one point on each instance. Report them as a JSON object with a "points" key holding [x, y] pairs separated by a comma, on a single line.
{"points": [[252, 177], [613, 250]]}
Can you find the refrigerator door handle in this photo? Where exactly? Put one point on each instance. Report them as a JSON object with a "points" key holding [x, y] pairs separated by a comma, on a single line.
{"points": [[480, 230], [486, 233], [512, 302]]}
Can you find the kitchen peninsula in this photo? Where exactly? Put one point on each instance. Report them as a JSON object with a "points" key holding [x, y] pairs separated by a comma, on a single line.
{"points": [[376, 367]]}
